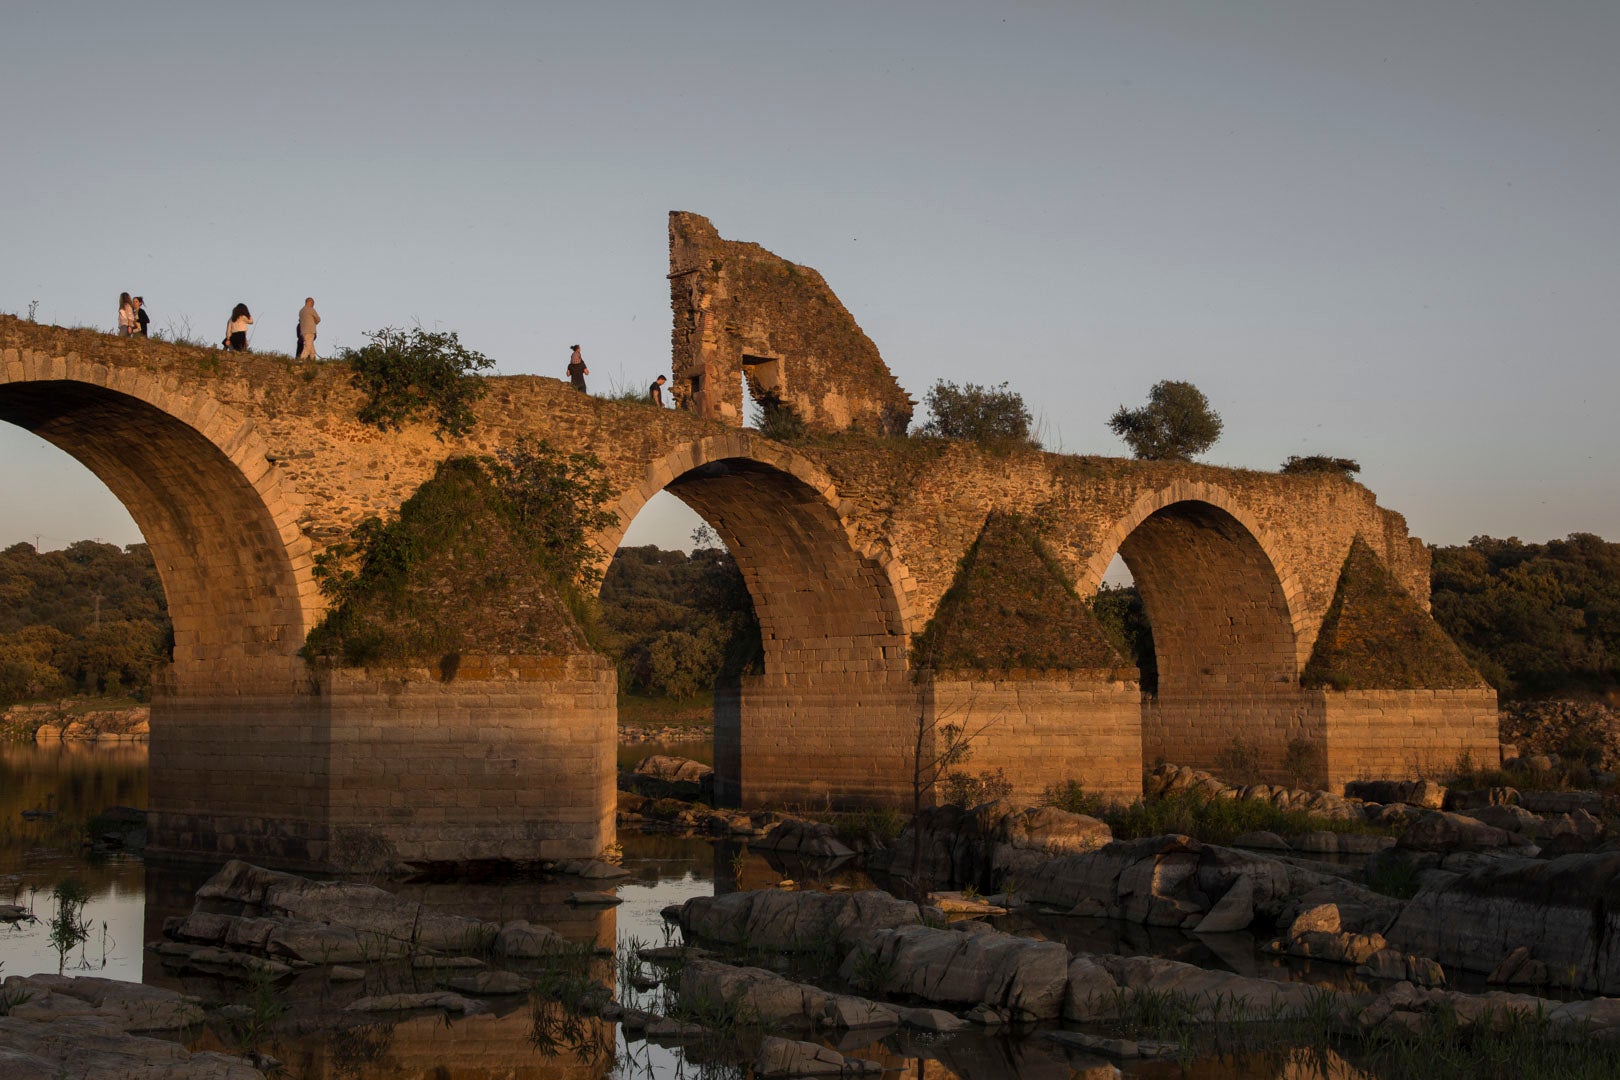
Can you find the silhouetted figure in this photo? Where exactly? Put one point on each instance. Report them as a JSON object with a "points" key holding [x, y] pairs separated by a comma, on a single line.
{"points": [[577, 370], [126, 315], [236, 330], [308, 320], [142, 319], [655, 392]]}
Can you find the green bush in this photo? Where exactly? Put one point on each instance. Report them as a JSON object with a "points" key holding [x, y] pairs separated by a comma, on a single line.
{"points": [[1177, 423], [974, 789], [982, 414], [407, 373], [1320, 463], [1072, 796]]}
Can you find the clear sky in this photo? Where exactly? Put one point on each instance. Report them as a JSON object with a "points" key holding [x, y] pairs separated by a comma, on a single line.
{"points": [[1387, 231]]}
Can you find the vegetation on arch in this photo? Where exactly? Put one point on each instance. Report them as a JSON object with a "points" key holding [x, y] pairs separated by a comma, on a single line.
{"points": [[1011, 606], [992, 415], [1320, 463], [1375, 636], [490, 555], [408, 373], [1176, 424]]}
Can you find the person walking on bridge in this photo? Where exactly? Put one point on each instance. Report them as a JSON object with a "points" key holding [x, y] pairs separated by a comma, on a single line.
{"points": [[236, 330], [655, 392], [142, 319], [577, 370], [308, 320], [126, 315]]}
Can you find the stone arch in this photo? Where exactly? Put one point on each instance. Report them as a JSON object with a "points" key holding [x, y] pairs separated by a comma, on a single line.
{"points": [[1227, 631], [828, 717], [199, 482], [758, 493], [1268, 563]]}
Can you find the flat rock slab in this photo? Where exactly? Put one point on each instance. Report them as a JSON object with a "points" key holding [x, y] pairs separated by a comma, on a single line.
{"points": [[402, 1002], [492, 983], [1115, 1048], [83, 1046], [786, 1057], [129, 1007], [594, 899]]}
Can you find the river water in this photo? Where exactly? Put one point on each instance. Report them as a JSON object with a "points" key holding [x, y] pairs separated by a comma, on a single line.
{"points": [[48, 793]]}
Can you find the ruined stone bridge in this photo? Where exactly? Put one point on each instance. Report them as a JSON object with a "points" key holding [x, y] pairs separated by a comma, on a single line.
{"points": [[1277, 601]]}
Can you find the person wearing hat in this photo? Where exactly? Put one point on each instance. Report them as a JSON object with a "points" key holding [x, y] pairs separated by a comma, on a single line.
{"points": [[577, 370]]}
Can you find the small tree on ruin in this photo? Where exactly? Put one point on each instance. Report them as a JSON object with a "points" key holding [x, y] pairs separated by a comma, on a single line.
{"points": [[1177, 423], [981, 414]]}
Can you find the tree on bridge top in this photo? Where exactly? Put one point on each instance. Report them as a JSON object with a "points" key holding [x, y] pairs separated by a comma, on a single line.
{"points": [[1177, 423]]}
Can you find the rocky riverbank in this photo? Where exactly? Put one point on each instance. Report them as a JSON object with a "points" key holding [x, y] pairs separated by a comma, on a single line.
{"points": [[69, 721]]}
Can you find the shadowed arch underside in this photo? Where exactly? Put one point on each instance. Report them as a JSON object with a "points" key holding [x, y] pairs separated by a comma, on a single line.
{"points": [[828, 716], [1224, 641], [226, 571]]}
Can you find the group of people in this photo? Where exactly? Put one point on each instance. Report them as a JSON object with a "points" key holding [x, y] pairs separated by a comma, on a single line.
{"points": [[132, 317], [577, 372], [236, 329], [133, 320]]}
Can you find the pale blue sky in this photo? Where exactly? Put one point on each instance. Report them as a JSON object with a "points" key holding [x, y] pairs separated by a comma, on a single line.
{"points": [[1386, 231]]}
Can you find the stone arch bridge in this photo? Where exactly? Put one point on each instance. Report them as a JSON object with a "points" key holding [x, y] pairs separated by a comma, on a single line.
{"points": [[240, 470]]}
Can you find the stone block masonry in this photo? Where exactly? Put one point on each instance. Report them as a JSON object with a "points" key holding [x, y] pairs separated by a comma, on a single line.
{"points": [[511, 760]]}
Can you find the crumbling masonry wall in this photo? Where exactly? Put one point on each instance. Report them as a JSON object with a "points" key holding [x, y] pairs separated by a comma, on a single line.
{"points": [[744, 314]]}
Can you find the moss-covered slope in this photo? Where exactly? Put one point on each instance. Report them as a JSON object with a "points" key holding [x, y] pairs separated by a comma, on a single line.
{"points": [[1010, 606], [1376, 637], [454, 573]]}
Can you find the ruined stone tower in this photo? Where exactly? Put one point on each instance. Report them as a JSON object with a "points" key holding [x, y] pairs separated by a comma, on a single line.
{"points": [[746, 316]]}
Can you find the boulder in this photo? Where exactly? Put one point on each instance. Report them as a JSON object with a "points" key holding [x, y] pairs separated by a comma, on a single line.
{"points": [[404, 1002], [520, 940], [752, 994], [1561, 802], [784, 1057], [1324, 918], [90, 1047], [122, 1006], [1233, 911], [794, 921], [812, 838], [1424, 793], [491, 983], [979, 846], [1024, 977], [1440, 831], [1566, 906]]}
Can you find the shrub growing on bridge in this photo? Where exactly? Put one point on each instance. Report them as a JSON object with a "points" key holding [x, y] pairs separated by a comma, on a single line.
{"points": [[981, 414], [406, 373], [1177, 423], [1320, 463], [490, 556]]}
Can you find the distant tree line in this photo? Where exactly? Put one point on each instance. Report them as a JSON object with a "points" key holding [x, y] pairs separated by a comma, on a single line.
{"points": [[89, 619], [1537, 620]]}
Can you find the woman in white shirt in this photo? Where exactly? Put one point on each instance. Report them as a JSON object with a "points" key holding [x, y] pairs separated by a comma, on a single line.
{"points": [[126, 315], [236, 330]]}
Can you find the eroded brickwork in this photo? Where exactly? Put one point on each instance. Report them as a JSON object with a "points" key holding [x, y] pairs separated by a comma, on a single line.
{"points": [[744, 315], [240, 470]]}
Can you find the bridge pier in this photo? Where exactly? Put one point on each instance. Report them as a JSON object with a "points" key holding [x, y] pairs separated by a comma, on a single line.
{"points": [[507, 758]]}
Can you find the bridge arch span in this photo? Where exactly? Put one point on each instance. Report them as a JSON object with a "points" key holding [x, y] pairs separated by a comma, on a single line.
{"points": [[830, 711], [198, 481], [1229, 632]]}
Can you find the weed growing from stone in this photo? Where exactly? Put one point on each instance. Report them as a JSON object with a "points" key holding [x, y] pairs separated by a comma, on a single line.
{"points": [[68, 927]]}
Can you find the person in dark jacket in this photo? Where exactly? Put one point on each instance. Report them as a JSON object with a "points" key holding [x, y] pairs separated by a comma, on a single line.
{"points": [[577, 370]]}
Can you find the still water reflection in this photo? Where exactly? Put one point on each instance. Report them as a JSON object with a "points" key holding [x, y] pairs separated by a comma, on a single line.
{"points": [[61, 788]]}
